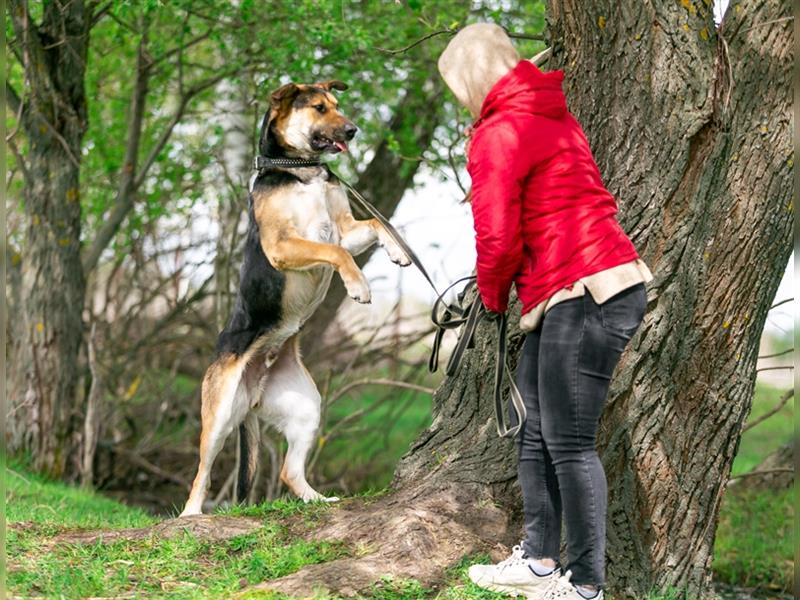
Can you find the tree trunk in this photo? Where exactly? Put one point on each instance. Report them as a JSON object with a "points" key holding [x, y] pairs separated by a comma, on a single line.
{"points": [[691, 130], [47, 331]]}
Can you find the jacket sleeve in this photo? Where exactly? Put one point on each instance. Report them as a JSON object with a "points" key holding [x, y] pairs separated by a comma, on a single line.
{"points": [[495, 168]]}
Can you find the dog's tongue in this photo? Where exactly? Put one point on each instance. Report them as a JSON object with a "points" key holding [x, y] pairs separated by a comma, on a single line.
{"points": [[342, 146]]}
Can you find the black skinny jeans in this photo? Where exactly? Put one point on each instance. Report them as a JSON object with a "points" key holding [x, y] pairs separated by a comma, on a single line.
{"points": [[564, 373]]}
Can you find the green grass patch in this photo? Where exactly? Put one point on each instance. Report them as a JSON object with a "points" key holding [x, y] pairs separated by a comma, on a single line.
{"points": [[368, 450], [178, 567], [31, 498], [768, 436], [754, 545]]}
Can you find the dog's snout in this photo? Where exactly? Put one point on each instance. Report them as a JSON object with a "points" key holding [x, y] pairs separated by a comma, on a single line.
{"points": [[350, 130]]}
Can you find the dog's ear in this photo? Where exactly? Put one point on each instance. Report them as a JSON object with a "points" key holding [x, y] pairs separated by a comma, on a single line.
{"points": [[284, 93], [332, 84], [278, 100]]}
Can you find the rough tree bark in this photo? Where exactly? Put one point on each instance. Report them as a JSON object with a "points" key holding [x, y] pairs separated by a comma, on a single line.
{"points": [[691, 130], [47, 329]]}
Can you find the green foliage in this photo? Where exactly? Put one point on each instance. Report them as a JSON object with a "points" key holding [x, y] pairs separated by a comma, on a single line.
{"points": [[368, 450], [188, 46]]}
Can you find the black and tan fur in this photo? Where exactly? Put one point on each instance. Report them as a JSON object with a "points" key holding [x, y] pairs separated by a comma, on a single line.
{"points": [[301, 231]]}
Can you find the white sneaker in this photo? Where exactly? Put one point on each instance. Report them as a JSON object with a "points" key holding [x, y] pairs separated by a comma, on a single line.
{"points": [[562, 589], [513, 576]]}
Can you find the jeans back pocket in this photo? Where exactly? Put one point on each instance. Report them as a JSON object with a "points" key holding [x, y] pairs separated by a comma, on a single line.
{"points": [[624, 312]]}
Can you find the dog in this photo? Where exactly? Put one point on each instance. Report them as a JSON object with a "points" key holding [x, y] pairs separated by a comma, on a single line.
{"points": [[301, 230]]}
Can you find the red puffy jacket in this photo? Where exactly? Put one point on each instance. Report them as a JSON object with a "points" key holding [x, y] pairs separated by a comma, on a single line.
{"points": [[543, 218]]}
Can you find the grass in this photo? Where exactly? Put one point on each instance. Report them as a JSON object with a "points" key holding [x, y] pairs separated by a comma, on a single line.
{"points": [[754, 543], [32, 499], [753, 547], [768, 436], [369, 453], [178, 567]]}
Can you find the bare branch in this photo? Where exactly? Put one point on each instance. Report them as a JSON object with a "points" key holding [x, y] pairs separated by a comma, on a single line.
{"points": [[418, 42], [781, 303], [774, 410], [388, 382], [763, 472], [775, 368], [790, 350]]}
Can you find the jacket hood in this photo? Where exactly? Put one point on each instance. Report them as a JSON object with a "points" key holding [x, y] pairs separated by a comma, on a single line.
{"points": [[527, 89]]}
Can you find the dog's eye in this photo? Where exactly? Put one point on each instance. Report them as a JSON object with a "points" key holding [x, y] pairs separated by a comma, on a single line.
{"points": [[320, 108]]}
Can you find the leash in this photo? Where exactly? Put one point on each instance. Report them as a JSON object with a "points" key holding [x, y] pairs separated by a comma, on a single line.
{"points": [[450, 316], [454, 316]]}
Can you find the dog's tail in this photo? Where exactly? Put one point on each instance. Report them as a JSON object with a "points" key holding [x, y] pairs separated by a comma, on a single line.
{"points": [[249, 434]]}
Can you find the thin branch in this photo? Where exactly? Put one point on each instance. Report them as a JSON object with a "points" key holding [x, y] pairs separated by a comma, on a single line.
{"points": [[781, 303], [123, 202], [418, 42], [775, 368], [26, 174], [539, 37], [762, 472], [181, 47], [790, 350], [179, 113], [389, 382], [99, 13], [774, 410], [14, 101]]}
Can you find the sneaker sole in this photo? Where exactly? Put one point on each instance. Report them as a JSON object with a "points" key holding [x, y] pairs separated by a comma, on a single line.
{"points": [[533, 592]]}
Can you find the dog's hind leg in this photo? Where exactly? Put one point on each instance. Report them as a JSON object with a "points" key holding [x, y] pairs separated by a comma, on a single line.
{"points": [[292, 404], [224, 406]]}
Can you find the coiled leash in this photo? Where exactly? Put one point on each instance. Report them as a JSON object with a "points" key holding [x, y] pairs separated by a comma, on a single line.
{"points": [[451, 316], [444, 316]]}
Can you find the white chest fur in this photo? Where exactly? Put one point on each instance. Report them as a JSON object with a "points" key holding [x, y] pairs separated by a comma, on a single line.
{"points": [[310, 210]]}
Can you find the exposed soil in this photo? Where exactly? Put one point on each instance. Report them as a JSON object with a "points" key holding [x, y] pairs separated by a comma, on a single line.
{"points": [[417, 533], [206, 527]]}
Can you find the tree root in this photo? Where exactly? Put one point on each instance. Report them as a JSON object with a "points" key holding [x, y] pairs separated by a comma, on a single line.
{"points": [[207, 527], [411, 534]]}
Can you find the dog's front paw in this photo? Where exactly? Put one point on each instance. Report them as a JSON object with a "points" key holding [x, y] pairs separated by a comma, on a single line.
{"points": [[395, 252], [396, 255], [358, 290]]}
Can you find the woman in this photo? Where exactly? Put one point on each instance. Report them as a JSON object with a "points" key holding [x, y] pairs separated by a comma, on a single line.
{"points": [[544, 221]]}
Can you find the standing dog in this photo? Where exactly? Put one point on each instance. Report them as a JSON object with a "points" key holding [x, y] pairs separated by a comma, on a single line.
{"points": [[300, 231]]}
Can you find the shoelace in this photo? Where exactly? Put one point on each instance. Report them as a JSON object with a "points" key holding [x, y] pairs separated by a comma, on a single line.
{"points": [[516, 558], [560, 587]]}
